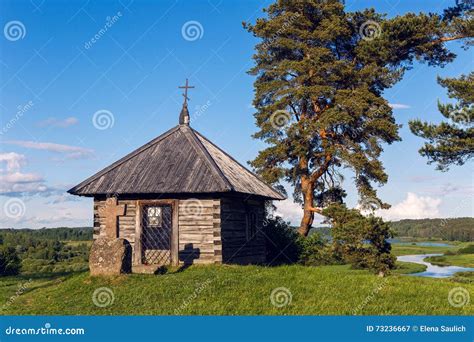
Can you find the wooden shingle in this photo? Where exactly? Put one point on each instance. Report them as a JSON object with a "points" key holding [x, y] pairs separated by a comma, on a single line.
{"points": [[180, 161]]}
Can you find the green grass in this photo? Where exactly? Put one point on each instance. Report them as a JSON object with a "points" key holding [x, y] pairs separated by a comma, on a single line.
{"points": [[464, 260], [238, 290], [408, 268], [399, 249]]}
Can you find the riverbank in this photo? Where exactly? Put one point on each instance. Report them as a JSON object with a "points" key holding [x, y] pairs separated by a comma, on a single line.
{"points": [[463, 260], [435, 259]]}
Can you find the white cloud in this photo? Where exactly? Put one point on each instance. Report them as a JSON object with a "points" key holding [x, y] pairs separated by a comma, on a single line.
{"points": [[18, 177], [13, 161], [38, 212], [63, 198], [288, 210], [399, 106], [13, 182], [53, 122], [72, 152], [413, 207]]}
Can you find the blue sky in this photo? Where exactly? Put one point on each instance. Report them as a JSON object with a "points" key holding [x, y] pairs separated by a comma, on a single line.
{"points": [[54, 78]]}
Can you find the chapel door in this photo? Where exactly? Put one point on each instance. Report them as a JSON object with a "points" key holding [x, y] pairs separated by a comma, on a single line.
{"points": [[156, 234]]}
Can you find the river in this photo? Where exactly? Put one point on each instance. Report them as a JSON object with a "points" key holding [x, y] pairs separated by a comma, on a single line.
{"points": [[432, 271]]}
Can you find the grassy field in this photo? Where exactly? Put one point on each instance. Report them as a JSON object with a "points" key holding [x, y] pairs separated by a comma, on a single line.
{"points": [[465, 260], [245, 290], [408, 267], [234, 290], [402, 249]]}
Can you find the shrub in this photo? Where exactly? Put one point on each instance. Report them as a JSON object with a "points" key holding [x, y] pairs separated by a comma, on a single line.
{"points": [[361, 241], [10, 263], [282, 242], [315, 251], [467, 250]]}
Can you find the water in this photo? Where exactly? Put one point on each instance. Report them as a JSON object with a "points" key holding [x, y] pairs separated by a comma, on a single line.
{"points": [[423, 244], [433, 271]]}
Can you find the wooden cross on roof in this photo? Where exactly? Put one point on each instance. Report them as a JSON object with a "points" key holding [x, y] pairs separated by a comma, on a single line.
{"points": [[186, 87]]}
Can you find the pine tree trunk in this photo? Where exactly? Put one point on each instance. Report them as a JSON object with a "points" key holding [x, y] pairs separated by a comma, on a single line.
{"points": [[307, 188]]}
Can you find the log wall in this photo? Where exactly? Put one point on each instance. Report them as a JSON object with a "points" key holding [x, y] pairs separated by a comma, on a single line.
{"points": [[237, 247], [199, 228]]}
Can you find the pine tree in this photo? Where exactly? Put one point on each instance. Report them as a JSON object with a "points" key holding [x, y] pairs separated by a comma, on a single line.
{"points": [[450, 142], [320, 75]]}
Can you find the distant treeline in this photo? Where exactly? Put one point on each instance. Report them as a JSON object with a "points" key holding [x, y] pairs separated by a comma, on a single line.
{"points": [[61, 233], [44, 250], [452, 229]]}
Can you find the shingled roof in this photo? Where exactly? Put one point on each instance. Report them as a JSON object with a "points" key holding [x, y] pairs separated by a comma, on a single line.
{"points": [[180, 161]]}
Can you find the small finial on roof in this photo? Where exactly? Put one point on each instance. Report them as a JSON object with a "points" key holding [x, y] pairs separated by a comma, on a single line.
{"points": [[184, 115]]}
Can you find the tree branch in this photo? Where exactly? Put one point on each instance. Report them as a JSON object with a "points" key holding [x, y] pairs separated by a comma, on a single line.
{"points": [[448, 39]]}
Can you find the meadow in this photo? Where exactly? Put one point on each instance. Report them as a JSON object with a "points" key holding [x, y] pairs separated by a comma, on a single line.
{"points": [[239, 290], [54, 281]]}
